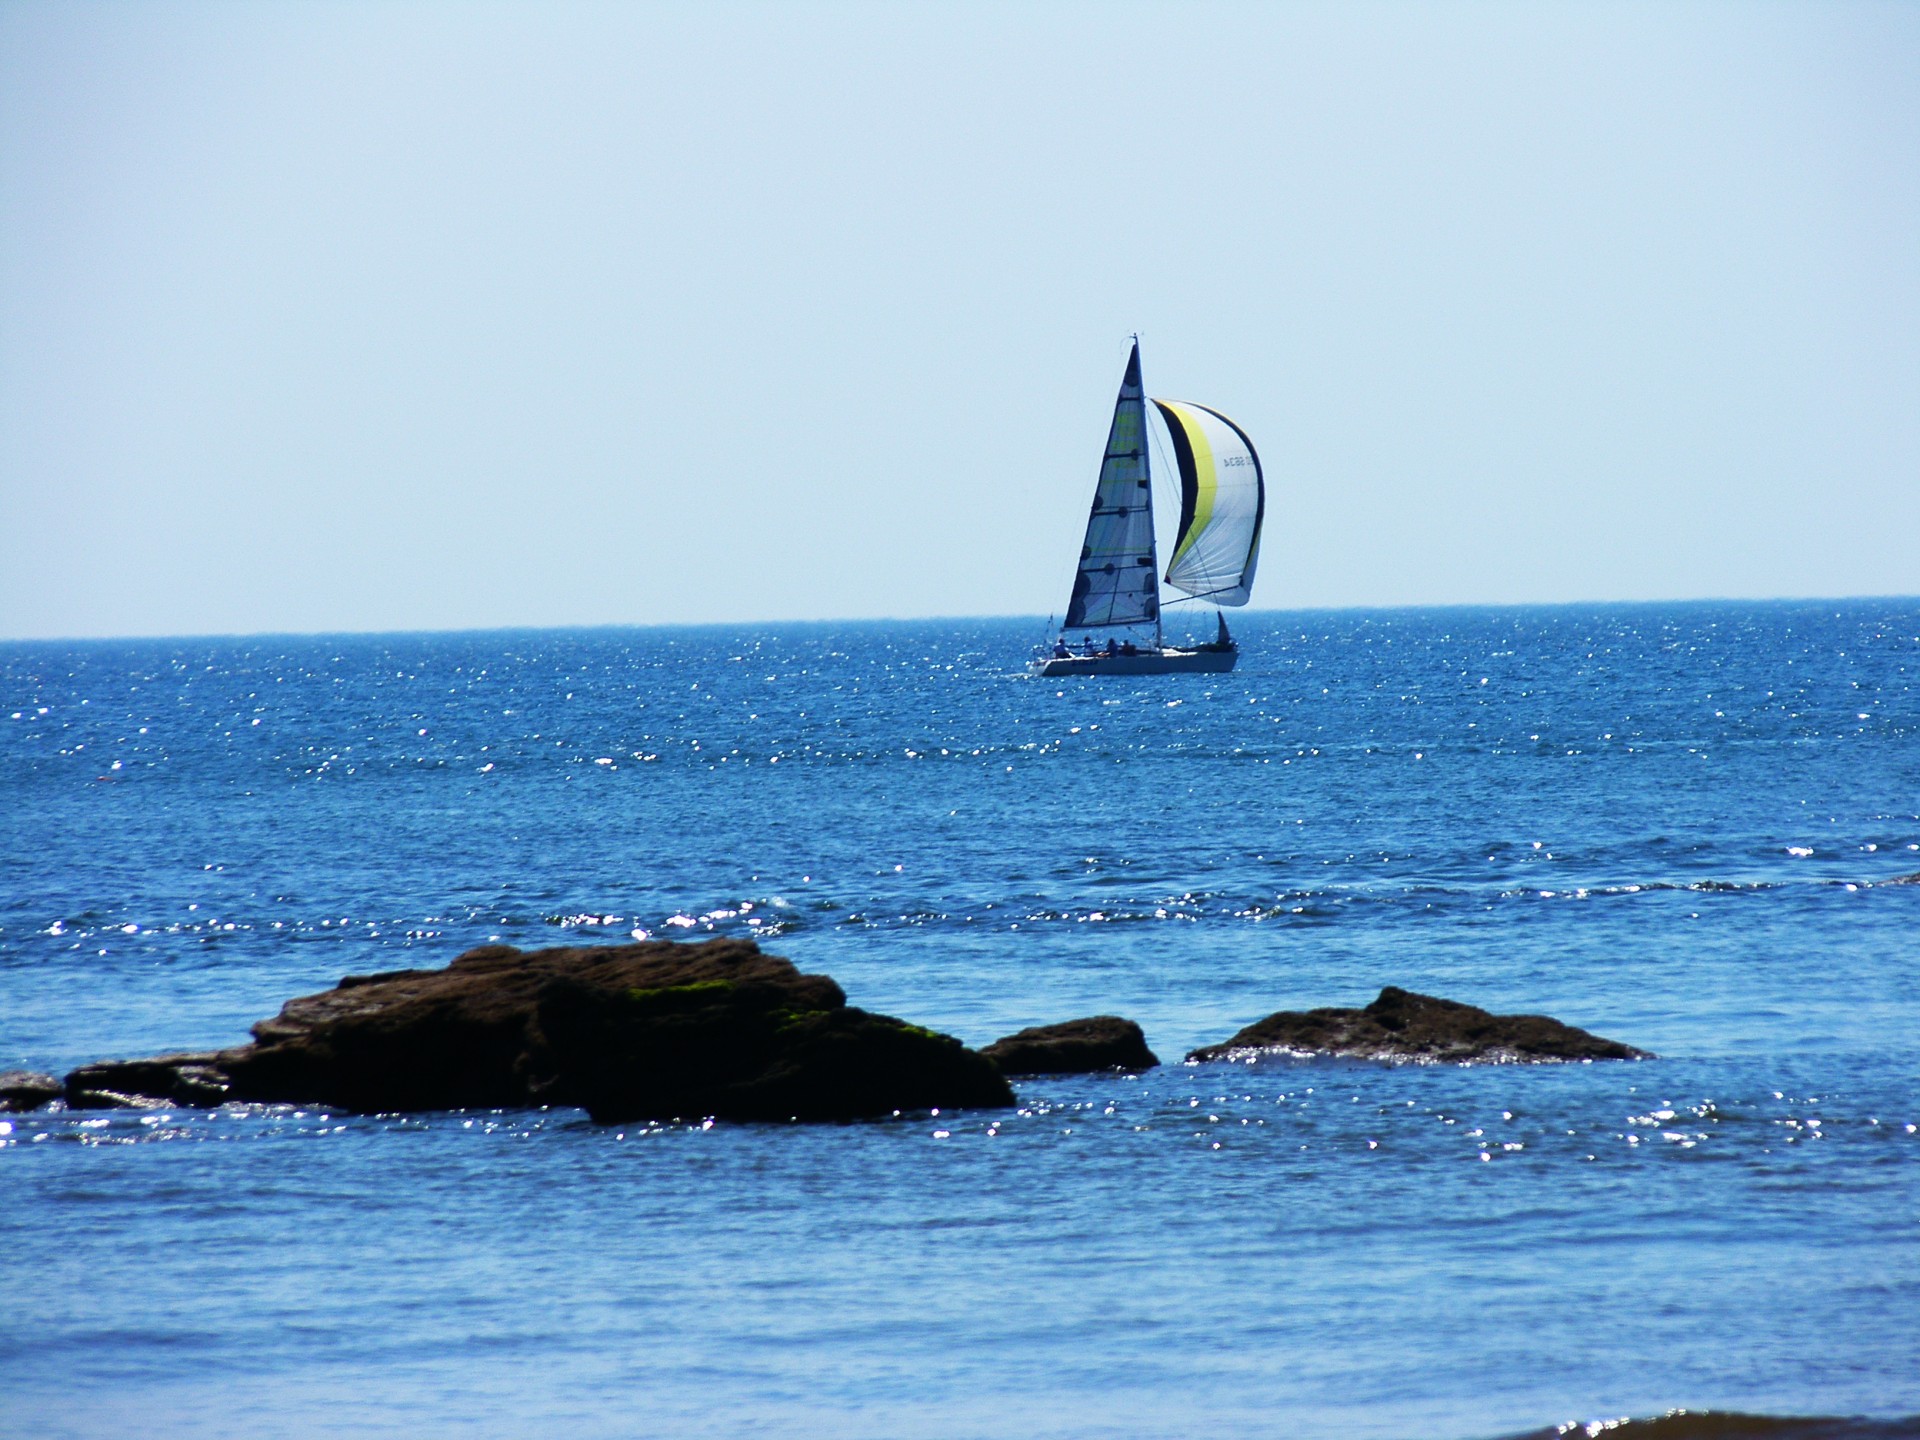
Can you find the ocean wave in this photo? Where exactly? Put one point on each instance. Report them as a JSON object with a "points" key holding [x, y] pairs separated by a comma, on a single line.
{"points": [[777, 915]]}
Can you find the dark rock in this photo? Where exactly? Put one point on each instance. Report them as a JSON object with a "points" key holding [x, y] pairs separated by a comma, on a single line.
{"points": [[750, 1052], [656, 1030], [1074, 1047], [1401, 1025], [27, 1090], [186, 1080]]}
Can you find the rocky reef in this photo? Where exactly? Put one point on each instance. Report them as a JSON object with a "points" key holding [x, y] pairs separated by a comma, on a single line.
{"points": [[664, 1030], [1402, 1026], [1074, 1047], [658, 1030]]}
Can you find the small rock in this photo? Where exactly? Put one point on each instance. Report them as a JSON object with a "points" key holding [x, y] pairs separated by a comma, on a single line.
{"points": [[1403, 1026], [28, 1090], [1074, 1047]]}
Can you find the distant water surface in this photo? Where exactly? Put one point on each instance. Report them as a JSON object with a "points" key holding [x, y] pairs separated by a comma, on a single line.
{"points": [[1683, 826]]}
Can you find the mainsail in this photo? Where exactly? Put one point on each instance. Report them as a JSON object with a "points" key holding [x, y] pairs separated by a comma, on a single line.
{"points": [[1117, 583], [1222, 502]]}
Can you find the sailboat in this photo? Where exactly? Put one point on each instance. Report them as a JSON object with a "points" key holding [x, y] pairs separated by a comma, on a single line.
{"points": [[1116, 586]]}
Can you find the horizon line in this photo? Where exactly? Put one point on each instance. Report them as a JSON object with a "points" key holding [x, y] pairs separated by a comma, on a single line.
{"points": [[767, 624]]}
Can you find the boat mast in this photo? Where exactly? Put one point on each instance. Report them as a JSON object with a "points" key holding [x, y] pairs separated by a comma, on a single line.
{"points": [[1146, 466]]}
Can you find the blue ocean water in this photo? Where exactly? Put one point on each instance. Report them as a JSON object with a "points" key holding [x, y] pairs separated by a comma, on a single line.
{"points": [[1678, 825]]}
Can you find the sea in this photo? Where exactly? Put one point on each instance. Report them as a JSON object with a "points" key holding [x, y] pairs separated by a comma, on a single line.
{"points": [[1691, 827]]}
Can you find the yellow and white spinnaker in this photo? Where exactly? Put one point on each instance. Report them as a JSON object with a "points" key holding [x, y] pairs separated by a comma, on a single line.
{"points": [[1222, 503]]}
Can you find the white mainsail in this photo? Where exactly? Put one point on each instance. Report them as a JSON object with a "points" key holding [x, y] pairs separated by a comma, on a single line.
{"points": [[1222, 504]]}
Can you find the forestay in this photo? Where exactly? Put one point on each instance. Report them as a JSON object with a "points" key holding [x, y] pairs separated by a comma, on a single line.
{"points": [[1222, 502], [1116, 583]]}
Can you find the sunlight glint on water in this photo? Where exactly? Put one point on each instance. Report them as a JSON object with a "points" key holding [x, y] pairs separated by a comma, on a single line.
{"points": [[1678, 826]]}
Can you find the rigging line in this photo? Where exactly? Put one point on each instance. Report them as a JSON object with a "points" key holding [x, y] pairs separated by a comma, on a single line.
{"points": [[1206, 595]]}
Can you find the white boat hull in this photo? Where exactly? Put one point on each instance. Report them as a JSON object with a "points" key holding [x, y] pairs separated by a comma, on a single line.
{"points": [[1153, 662]]}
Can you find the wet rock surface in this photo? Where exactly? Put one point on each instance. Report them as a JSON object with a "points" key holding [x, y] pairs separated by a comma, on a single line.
{"points": [[1404, 1026], [1074, 1047], [658, 1030], [27, 1090], [188, 1080]]}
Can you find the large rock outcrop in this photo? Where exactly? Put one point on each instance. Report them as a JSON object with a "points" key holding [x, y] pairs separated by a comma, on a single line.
{"points": [[658, 1030], [1074, 1047], [1403, 1026]]}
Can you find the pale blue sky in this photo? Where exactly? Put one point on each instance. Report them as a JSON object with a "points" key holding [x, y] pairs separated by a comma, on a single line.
{"points": [[393, 316]]}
